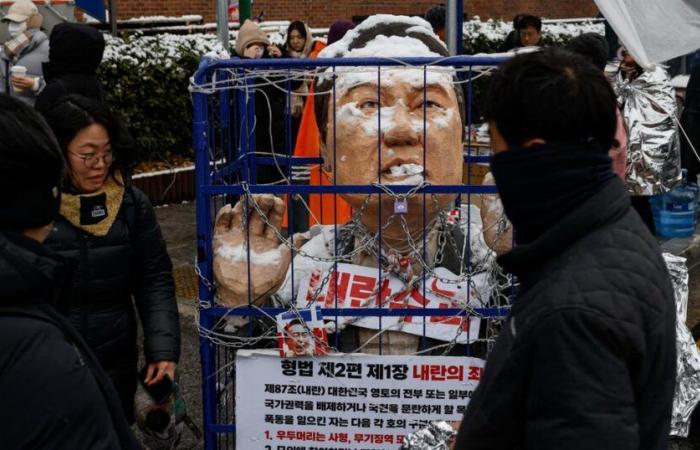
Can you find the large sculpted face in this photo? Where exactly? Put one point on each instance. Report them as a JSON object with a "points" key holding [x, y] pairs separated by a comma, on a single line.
{"points": [[395, 135]]}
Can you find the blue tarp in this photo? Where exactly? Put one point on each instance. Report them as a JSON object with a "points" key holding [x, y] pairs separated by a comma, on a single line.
{"points": [[96, 8]]}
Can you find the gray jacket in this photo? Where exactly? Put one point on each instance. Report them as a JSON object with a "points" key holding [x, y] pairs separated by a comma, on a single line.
{"points": [[32, 57]]}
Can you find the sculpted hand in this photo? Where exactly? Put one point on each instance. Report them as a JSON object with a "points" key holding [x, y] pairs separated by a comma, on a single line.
{"points": [[269, 258]]}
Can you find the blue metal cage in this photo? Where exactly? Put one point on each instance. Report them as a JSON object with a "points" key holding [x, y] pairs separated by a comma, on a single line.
{"points": [[226, 163]]}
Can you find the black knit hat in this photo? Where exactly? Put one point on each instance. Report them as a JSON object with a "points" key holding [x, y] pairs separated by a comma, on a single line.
{"points": [[74, 48], [31, 168], [591, 45]]}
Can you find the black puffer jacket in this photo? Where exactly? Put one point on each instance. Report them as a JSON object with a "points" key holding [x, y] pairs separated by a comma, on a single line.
{"points": [[586, 359], [130, 260], [54, 393]]}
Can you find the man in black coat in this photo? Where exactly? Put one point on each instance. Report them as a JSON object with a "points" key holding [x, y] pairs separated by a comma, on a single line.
{"points": [[586, 357], [54, 393]]}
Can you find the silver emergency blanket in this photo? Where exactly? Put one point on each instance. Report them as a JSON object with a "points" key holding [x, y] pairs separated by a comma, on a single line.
{"points": [[687, 393], [435, 436], [649, 108]]}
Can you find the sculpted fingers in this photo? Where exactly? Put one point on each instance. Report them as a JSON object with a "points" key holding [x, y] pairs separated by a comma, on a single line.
{"points": [[222, 223], [276, 215], [265, 203]]}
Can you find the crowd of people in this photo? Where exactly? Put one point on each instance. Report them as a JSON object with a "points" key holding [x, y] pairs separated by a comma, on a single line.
{"points": [[586, 358]]}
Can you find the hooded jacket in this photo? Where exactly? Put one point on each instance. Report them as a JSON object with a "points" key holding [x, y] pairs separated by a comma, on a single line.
{"points": [[75, 54], [250, 33], [54, 393]]}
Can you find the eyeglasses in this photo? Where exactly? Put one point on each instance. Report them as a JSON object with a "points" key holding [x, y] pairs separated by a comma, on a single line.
{"points": [[92, 160]]}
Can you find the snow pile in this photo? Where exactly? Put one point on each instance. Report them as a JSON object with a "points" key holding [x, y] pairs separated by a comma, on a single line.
{"points": [[341, 48], [163, 19], [161, 51], [497, 30], [487, 36], [386, 47]]}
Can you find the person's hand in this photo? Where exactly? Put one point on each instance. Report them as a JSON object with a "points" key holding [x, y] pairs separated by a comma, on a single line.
{"points": [[20, 82], [269, 258], [157, 370], [274, 51]]}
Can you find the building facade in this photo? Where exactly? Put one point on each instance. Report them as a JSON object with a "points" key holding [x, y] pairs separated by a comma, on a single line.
{"points": [[321, 13]]}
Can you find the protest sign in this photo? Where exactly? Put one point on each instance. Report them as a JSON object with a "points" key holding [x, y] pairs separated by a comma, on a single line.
{"points": [[301, 333], [346, 401], [354, 286]]}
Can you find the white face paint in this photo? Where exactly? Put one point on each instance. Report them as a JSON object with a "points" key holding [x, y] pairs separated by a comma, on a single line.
{"points": [[15, 29], [370, 122], [420, 135]]}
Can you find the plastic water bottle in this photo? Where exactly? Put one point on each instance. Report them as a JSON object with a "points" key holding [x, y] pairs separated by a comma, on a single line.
{"points": [[674, 211]]}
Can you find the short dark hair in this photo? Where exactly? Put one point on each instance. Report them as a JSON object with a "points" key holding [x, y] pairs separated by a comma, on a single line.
{"points": [[71, 114], [360, 40], [31, 167], [27, 146], [516, 21], [592, 46], [529, 21], [436, 17], [554, 95]]}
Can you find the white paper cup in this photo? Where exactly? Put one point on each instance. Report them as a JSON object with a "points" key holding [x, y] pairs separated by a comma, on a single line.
{"points": [[18, 71]]}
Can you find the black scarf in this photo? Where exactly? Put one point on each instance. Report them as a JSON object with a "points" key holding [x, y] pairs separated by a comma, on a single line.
{"points": [[540, 185]]}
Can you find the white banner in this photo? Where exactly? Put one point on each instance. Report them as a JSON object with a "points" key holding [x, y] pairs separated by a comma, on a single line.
{"points": [[654, 30], [354, 286], [346, 401]]}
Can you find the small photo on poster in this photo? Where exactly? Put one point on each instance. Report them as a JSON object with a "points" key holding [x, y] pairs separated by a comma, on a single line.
{"points": [[301, 333]]}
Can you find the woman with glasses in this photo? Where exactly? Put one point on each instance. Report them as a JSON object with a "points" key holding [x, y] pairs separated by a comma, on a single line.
{"points": [[108, 233]]}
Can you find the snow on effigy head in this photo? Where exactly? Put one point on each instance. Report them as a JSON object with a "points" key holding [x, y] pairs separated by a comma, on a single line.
{"points": [[386, 47]]}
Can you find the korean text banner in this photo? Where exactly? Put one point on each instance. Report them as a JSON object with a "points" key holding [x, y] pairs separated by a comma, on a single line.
{"points": [[346, 401]]}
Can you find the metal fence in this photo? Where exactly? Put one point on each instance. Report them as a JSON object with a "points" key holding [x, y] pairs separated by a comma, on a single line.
{"points": [[228, 161]]}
